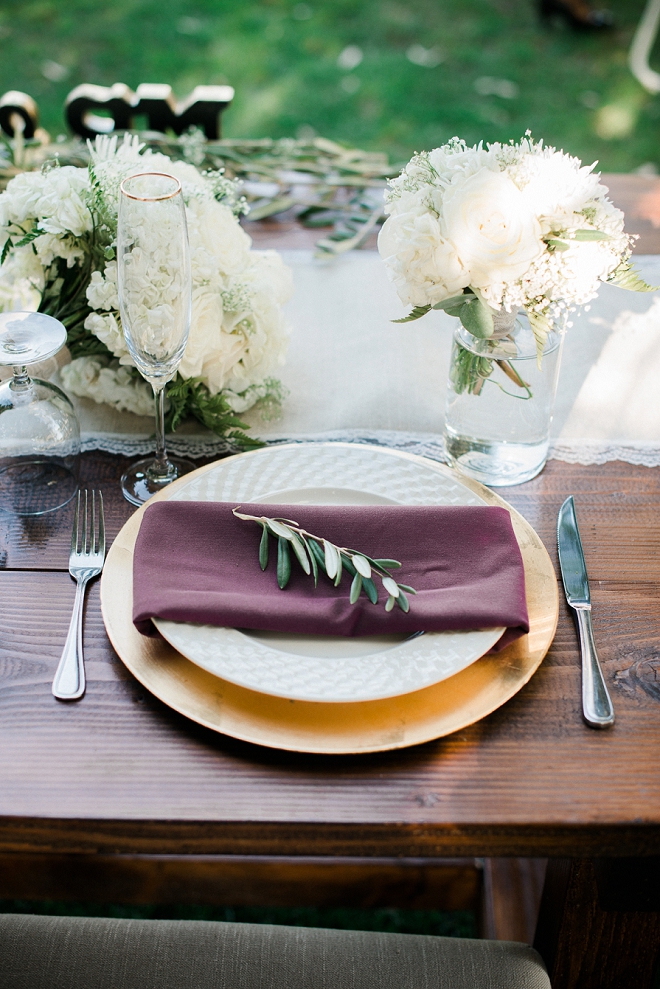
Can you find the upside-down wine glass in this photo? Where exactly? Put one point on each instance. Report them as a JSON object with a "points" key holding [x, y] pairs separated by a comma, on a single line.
{"points": [[39, 430], [155, 300]]}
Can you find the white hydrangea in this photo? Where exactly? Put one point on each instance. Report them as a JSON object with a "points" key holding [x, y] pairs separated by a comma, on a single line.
{"points": [[500, 221], [238, 334], [106, 382]]}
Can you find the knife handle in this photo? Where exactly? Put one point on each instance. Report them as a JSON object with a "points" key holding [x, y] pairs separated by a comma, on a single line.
{"points": [[596, 704]]}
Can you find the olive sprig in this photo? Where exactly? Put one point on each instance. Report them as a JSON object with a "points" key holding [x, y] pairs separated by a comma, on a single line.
{"points": [[315, 553]]}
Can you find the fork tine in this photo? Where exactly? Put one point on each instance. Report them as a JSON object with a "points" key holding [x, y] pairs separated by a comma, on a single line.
{"points": [[85, 547], [76, 521], [101, 546], [92, 528]]}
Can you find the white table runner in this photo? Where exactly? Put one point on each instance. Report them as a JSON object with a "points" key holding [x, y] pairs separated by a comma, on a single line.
{"points": [[353, 374]]}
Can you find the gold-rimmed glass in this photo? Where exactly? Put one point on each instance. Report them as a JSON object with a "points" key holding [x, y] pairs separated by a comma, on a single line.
{"points": [[155, 298]]}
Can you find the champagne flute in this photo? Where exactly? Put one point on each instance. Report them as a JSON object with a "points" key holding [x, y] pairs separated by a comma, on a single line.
{"points": [[155, 300]]}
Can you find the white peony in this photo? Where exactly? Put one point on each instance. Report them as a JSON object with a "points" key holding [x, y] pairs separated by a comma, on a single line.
{"points": [[492, 229]]}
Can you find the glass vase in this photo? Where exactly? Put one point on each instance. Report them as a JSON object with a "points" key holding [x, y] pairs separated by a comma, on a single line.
{"points": [[500, 401]]}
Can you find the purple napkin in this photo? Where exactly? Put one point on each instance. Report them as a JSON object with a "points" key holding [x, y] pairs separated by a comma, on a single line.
{"points": [[196, 562]]}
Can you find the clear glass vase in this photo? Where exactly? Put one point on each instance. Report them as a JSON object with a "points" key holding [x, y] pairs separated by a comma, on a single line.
{"points": [[500, 402]]}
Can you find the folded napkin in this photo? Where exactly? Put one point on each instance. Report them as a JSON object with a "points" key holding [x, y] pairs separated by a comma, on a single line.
{"points": [[196, 562]]}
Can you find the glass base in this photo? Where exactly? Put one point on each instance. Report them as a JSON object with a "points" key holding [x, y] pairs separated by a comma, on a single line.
{"points": [[36, 486], [139, 484], [495, 464]]}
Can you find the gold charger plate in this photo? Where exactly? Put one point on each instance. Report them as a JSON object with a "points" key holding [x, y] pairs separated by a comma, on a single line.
{"points": [[332, 728]]}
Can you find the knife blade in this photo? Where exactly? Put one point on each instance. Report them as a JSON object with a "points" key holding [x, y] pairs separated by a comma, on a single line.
{"points": [[597, 707]]}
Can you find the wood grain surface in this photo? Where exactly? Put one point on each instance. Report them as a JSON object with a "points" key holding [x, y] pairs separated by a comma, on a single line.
{"points": [[119, 772]]}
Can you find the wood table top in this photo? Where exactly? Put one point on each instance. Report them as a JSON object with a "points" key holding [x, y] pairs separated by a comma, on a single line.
{"points": [[119, 771]]}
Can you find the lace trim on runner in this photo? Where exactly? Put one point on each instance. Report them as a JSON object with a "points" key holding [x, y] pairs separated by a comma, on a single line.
{"points": [[586, 452]]}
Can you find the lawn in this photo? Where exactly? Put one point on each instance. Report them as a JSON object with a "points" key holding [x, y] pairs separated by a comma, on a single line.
{"points": [[382, 74]]}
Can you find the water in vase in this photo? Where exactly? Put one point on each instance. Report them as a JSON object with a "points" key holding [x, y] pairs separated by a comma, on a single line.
{"points": [[500, 404]]}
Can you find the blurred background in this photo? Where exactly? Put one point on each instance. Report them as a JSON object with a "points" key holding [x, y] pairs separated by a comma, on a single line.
{"points": [[388, 75]]}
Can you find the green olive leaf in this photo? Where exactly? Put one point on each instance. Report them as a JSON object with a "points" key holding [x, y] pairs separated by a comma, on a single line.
{"points": [[331, 559], [263, 548], [301, 553], [370, 589], [356, 587], [283, 562]]}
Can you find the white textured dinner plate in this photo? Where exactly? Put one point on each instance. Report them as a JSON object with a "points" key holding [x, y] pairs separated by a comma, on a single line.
{"points": [[332, 669]]}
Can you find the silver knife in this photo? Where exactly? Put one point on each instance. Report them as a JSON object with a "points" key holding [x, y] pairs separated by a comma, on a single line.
{"points": [[596, 704]]}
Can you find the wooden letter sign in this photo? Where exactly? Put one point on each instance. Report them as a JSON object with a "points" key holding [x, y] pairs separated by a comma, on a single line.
{"points": [[120, 105]]}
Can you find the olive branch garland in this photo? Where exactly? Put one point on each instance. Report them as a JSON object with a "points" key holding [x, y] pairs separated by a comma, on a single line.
{"points": [[315, 552]]}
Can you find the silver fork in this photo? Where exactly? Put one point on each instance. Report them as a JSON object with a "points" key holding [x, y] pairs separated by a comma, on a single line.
{"points": [[85, 561]]}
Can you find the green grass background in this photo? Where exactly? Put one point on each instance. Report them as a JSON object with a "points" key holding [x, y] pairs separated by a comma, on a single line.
{"points": [[573, 90]]}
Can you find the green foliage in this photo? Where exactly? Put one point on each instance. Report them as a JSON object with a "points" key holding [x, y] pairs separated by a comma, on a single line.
{"points": [[315, 553], [468, 371], [192, 397], [416, 313], [285, 72], [625, 276], [477, 317]]}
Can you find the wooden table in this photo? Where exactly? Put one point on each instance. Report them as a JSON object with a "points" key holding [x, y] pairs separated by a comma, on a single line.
{"points": [[117, 789]]}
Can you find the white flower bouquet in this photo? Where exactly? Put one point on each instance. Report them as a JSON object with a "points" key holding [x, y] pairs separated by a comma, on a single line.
{"points": [[58, 229], [480, 231]]}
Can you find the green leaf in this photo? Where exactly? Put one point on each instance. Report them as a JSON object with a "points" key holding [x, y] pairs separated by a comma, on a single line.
{"points": [[406, 587], [331, 559], [279, 529], [390, 603], [477, 318], [340, 565], [385, 564], [391, 587], [348, 564], [356, 587], [416, 313], [299, 550], [283, 562], [370, 589], [6, 249], [312, 560], [318, 553], [263, 547], [540, 328], [626, 277], [557, 245], [590, 235], [190, 396], [454, 303], [361, 565], [403, 601]]}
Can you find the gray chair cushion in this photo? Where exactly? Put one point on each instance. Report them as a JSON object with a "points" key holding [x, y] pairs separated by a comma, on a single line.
{"points": [[100, 953]]}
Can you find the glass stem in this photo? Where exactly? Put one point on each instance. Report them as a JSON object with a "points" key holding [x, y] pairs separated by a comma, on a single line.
{"points": [[161, 466], [21, 386], [20, 381]]}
